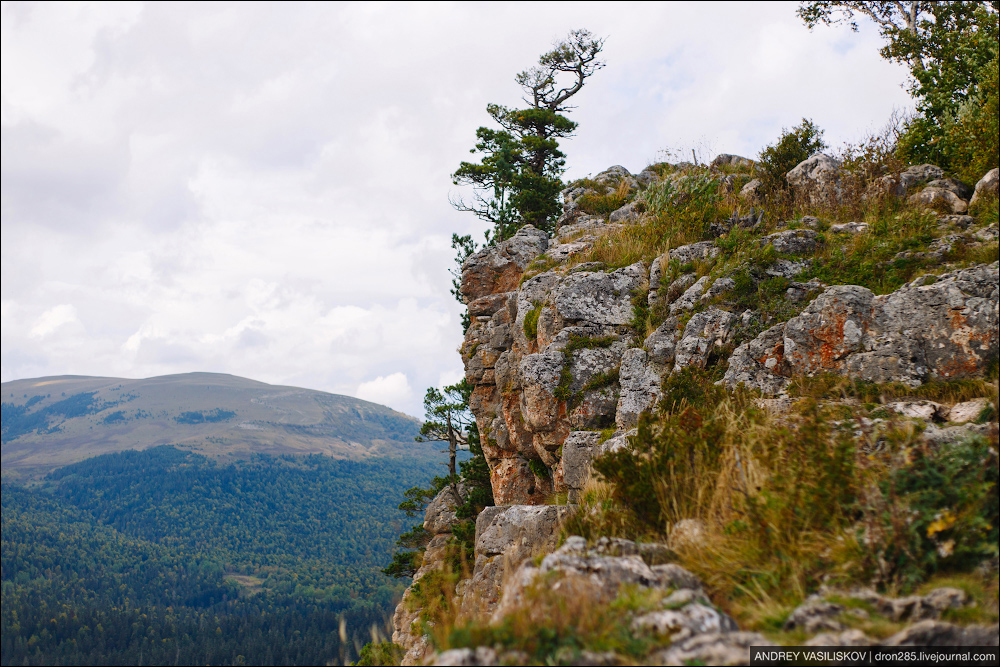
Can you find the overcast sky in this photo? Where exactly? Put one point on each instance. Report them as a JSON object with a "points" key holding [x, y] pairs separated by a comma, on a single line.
{"points": [[262, 189]]}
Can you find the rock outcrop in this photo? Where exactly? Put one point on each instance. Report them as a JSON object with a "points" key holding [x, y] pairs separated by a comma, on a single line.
{"points": [[563, 366], [817, 180], [936, 327]]}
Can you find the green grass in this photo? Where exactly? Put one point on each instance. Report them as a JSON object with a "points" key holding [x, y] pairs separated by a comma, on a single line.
{"points": [[531, 322]]}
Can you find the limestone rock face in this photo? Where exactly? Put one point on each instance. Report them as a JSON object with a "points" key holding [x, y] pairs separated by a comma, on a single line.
{"points": [[414, 644], [498, 268], [640, 388], [561, 374], [756, 364], [935, 327], [440, 514], [705, 332], [554, 354], [599, 298], [816, 180], [505, 538]]}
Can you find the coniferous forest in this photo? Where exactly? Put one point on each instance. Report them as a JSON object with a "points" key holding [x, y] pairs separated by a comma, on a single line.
{"points": [[166, 557]]}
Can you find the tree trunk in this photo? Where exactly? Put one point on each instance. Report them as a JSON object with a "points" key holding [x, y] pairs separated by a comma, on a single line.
{"points": [[452, 455]]}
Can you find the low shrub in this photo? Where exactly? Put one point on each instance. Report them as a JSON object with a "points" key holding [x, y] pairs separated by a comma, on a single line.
{"points": [[379, 653], [556, 628], [792, 147], [531, 322], [604, 204], [932, 508]]}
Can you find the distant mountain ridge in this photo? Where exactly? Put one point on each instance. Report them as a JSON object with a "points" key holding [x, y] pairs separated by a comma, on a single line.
{"points": [[54, 421]]}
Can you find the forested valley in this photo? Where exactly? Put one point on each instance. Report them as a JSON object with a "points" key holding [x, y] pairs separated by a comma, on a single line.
{"points": [[164, 556]]}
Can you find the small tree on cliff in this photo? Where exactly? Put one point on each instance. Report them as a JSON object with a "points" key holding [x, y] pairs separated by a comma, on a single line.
{"points": [[448, 420], [518, 180]]}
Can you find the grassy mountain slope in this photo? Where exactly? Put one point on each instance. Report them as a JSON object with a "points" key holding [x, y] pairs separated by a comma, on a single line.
{"points": [[55, 421]]}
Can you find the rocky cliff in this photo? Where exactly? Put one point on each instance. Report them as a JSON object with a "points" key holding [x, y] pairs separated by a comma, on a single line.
{"points": [[571, 341]]}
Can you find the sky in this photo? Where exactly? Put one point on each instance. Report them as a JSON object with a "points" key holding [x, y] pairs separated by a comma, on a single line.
{"points": [[263, 189]]}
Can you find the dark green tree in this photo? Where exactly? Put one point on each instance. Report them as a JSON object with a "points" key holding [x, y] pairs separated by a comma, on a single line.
{"points": [[518, 180], [464, 248], [793, 147], [448, 420]]}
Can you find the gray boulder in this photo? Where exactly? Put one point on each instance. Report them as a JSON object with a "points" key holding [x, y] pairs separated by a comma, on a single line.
{"points": [[670, 293], [690, 620], [719, 289], [713, 648], [498, 268], [600, 298], [788, 268], [938, 633], [917, 175], [816, 615], [630, 212], [467, 657], [988, 234], [792, 241], [938, 198], [577, 453], [752, 191], [727, 160], [756, 364], [576, 571], [988, 186], [704, 332], [440, 514], [850, 228], [954, 185], [691, 296], [647, 176], [613, 174], [816, 180], [581, 225], [695, 251]]}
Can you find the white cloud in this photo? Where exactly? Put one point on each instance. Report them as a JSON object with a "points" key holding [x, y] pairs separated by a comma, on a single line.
{"points": [[392, 390], [262, 189], [52, 319]]}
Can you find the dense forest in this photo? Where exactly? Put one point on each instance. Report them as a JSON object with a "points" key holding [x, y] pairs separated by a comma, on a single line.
{"points": [[164, 557]]}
